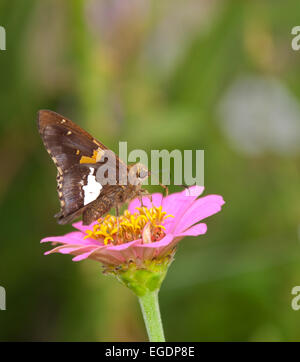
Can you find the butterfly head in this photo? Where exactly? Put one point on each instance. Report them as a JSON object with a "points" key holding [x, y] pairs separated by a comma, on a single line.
{"points": [[138, 173]]}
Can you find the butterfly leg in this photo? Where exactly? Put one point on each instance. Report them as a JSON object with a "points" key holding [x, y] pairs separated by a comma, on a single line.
{"points": [[142, 193], [165, 188], [150, 198], [141, 200]]}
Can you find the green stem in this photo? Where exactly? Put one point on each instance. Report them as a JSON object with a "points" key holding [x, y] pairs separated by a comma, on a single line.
{"points": [[151, 313]]}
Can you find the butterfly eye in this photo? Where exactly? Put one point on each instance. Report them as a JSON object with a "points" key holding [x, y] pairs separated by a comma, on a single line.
{"points": [[142, 173]]}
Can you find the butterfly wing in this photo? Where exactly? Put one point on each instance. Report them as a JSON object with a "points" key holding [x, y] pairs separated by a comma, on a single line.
{"points": [[77, 156], [64, 140]]}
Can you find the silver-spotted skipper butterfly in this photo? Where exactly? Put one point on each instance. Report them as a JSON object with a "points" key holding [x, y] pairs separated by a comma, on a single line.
{"points": [[89, 182]]}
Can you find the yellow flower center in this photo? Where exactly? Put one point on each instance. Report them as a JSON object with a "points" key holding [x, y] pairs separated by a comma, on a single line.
{"points": [[129, 227]]}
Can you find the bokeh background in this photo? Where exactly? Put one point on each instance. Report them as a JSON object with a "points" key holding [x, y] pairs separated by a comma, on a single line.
{"points": [[198, 74]]}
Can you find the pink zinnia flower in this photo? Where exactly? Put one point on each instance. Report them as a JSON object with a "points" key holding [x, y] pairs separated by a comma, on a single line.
{"points": [[143, 233]]}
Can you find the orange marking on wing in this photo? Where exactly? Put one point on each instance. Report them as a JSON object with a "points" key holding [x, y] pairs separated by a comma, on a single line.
{"points": [[97, 154]]}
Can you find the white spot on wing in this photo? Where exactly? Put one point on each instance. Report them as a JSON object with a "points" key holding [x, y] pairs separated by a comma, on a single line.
{"points": [[92, 188]]}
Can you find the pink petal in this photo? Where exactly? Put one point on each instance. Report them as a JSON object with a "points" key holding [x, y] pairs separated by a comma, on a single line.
{"points": [[79, 226], [74, 237], [176, 204], [163, 242], [115, 257], [195, 230], [60, 248], [159, 248], [133, 204], [146, 253], [70, 249], [105, 259], [123, 246], [156, 201], [165, 250], [84, 255], [194, 191], [199, 210], [81, 252], [81, 256]]}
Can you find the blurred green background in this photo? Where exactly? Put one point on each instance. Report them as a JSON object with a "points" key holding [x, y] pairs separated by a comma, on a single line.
{"points": [[199, 74]]}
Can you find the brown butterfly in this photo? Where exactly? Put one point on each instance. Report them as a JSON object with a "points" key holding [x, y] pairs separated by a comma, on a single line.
{"points": [[89, 182]]}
